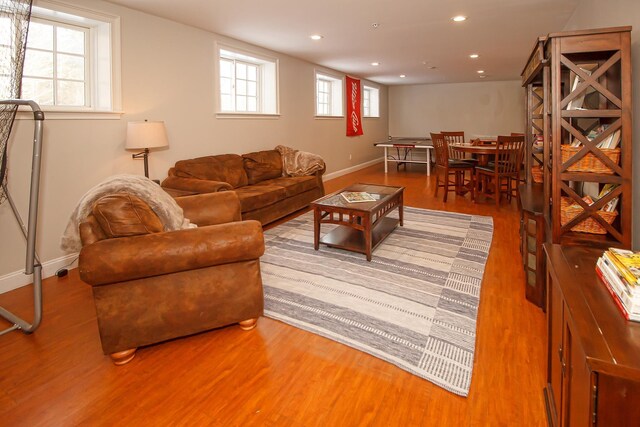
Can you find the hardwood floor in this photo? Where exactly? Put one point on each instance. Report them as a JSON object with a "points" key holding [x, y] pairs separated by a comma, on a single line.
{"points": [[277, 375]]}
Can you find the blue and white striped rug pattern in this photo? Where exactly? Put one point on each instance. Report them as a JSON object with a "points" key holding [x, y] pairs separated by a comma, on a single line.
{"points": [[414, 305]]}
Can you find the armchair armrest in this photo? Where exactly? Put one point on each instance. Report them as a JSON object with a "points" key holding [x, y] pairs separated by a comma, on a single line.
{"points": [[211, 208], [195, 185], [130, 258]]}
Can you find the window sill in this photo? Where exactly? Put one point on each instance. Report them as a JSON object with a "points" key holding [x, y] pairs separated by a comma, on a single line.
{"points": [[71, 115], [328, 117], [246, 116]]}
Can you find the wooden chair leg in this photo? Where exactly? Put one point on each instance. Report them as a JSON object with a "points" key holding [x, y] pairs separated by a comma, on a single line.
{"points": [[472, 184], [435, 194], [446, 187]]}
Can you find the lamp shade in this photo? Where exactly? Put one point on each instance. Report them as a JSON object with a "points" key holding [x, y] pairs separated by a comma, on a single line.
{"points": [[146, 135]]}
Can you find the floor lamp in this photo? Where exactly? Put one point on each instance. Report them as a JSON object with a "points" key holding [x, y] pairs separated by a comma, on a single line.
{"points": [[144, 136]]}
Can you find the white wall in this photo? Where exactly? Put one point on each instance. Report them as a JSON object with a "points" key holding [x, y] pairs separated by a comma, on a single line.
{"points": [[486, 108], [167, 74], [616, 13]]}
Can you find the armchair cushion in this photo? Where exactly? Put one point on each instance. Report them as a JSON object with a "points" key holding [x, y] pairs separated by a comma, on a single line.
{"points": [[123, 215], [224, 167], [262, 165]]}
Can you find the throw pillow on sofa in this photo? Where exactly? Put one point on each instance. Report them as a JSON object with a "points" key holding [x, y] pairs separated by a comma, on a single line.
{"points": [[262, 165], [123, 215], [223, 167]]}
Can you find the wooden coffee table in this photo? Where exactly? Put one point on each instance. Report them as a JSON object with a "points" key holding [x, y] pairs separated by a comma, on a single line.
{"points": [[361, 226]]}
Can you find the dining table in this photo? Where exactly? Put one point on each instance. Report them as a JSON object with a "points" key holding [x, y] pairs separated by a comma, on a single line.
{"points": [[483, 152]]}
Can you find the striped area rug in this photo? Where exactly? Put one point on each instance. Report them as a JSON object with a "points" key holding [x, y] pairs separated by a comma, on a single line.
{"points": [[414, 305]]}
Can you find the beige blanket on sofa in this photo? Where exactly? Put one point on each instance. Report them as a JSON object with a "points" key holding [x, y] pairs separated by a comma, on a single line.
{"points": [[299, 163], [169, 212]]}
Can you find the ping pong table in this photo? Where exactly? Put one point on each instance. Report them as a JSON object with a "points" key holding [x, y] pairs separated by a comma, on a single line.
{"points": [[404, 148]]}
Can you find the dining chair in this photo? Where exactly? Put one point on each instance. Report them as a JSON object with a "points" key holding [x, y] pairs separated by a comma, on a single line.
{"points": [[523, 175], [454, 138], [495, 179], [448, 166]]}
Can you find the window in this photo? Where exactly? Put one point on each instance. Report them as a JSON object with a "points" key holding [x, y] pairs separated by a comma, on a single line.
{"points": [[71, 62], [370, 101], [55, 71], [324, 97], [248, 83], [328, 95]]}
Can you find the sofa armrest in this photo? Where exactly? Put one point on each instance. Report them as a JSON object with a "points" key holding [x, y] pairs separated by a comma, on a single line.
{"points": [[195, 185], [130, 258], [211, 208]]}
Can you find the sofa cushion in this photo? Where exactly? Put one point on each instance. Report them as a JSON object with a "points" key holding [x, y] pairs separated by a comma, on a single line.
{"points": [[123, 214], [262, 165], [293, 184], [258, 196], [225, 167]]}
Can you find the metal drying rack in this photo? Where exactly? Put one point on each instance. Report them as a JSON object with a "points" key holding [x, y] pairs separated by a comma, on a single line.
{"points": [[32, 263]]}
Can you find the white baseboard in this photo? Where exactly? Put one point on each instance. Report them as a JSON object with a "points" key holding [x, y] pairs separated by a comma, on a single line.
{"points": [[336, 174], [17, 279]]}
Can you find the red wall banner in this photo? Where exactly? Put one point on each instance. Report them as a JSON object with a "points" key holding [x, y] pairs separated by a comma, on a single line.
{"points": [[354, 116]]}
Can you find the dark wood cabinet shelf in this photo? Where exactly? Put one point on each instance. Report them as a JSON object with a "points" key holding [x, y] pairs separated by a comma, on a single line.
{"points": [[578, 92], [532, 237], [593, 369]]}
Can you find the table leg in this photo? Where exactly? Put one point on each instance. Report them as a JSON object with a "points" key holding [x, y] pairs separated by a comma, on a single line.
{"points": [[316, 228], [401, 211], [367, 236], [386, 167]]}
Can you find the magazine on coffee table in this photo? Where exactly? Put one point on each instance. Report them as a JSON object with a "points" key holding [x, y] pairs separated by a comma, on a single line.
{"points": [[357, 196]]}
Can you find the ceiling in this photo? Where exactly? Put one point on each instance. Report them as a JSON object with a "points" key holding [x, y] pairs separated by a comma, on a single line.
{"points": [[410, 36]]}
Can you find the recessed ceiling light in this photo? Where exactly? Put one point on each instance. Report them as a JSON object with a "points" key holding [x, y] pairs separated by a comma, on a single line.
{"points": [[483, 76], [432, 67], [480, 71], [375, 25], [474, 56], [375, 64], [402, 76], [315, 37], [459, 18]]}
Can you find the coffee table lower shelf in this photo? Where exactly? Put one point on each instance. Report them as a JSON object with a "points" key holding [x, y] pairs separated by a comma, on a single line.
{"points": [[344, 237]]}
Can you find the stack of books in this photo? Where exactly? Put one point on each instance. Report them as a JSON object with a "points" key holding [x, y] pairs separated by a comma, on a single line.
{"points": [[619, 270]]}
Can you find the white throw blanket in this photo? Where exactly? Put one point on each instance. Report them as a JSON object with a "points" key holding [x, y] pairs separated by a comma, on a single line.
{"points": [[169, 212]]}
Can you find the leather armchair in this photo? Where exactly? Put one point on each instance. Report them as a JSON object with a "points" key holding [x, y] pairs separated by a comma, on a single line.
{"points": [[152, 287]]}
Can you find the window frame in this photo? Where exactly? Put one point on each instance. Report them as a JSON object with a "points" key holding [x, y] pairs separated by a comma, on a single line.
{"points": [[267, 81], [374, 108], [104, 48], [336, 97]]}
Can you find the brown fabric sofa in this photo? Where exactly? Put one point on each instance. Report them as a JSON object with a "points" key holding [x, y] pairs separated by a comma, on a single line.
{"points": [[150, 286], [257, 178]]}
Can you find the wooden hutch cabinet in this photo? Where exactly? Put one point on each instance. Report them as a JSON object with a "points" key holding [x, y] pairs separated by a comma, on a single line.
{"points": [[593, 355], [579, 143]]}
